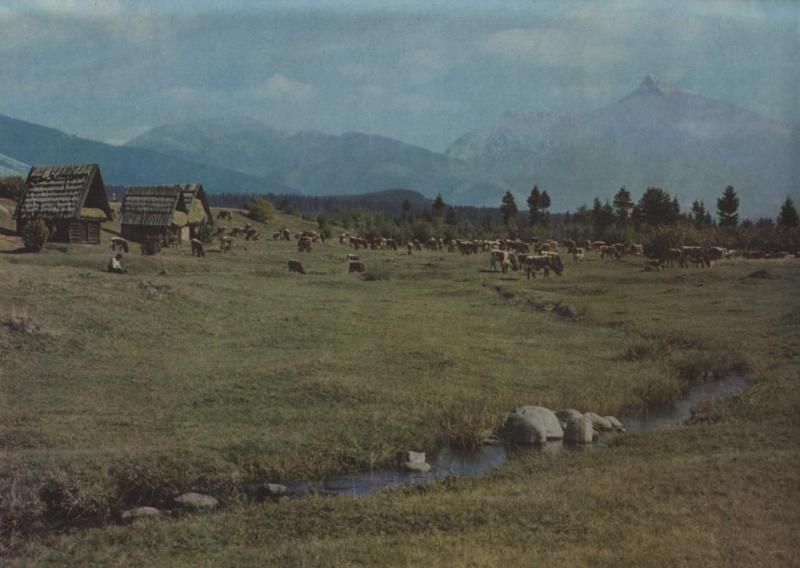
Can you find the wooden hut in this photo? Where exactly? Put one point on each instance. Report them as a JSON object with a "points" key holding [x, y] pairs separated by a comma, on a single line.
{"points": [[197, 207], [158, 210], [71, 200]]}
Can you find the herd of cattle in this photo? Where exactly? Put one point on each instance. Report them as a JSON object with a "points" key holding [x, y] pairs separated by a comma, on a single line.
{"points": [[536, 255]]}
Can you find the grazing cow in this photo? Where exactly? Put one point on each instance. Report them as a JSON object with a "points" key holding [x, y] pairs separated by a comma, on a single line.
{"points": [[251, 235], [545, 263], [356, 266], [671, 256], [225, 244], [607, 250], [578, 254], [304, 244], [117, 242], [197, 248], [225, 215], [696, 255], [296, 266], [505, 258]]}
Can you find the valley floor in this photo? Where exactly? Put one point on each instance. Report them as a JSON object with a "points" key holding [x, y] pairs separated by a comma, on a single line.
{"points": [[197, 374]]}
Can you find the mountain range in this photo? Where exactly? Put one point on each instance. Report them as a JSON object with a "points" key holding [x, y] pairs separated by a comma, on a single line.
{"points": [[688, 144], [692, 146]]}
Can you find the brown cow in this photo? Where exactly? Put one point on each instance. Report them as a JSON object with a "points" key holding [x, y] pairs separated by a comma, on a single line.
{"points": [[296, 266], [546, 263], [356, 266], [671, 256], [225, 215], [225, 244], [304, 244]]}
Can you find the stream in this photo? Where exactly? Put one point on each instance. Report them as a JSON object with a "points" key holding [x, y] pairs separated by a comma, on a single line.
{"points": [[450, 463]]}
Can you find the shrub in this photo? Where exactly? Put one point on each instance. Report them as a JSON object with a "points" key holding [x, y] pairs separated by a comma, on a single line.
{"points": [[151, 244], [260, 209], [35, 234]]}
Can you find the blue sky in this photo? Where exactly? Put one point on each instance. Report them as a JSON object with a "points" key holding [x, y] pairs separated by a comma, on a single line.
{"points": [[423, 72]]}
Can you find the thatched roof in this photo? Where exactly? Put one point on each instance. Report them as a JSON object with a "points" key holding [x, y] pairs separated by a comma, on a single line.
{"points": [[152, 206], [61, 192], [192, 192]]}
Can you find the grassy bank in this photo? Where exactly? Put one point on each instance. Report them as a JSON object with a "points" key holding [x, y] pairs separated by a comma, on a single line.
{"points": [[146, 384]]}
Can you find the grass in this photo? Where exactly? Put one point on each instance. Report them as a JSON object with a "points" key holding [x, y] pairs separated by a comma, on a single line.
{"points": [[230, 367]]}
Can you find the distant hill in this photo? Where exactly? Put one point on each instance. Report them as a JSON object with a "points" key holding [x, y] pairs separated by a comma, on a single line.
{"points": [[11, 167], [389, 201], [35, 144], [319, 163], [688, 144]]}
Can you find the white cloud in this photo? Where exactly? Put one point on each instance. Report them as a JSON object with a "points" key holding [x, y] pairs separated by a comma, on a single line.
{"points": [[282, 87], [554, 47]]}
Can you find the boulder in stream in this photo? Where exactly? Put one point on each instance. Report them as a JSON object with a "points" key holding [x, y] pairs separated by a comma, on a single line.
{"points": [[532, 425], [579, 431]]}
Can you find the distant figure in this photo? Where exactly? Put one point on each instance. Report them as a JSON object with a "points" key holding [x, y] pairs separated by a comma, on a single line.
{"points": [[197, 248], [114, 265]]}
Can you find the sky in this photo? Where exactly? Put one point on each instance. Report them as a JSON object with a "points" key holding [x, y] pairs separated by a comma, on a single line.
{"points": [[422, 72]]}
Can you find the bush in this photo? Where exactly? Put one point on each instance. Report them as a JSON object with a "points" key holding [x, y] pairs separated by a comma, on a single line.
{"points": [[35, 234], [151, 245], [260, 209]]}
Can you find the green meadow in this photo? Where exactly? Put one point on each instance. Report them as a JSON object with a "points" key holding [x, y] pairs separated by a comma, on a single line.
{"points": [[199, 373]]}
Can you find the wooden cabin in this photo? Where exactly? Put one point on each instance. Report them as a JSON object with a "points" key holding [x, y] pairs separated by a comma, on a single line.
{"points": [[71, 200], [197, 206], [157, 210]]}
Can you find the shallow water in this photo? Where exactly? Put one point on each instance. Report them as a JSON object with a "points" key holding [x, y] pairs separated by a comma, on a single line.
{"points": [[450, 463]]}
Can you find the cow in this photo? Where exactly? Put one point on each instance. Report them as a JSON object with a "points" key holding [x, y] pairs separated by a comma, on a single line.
{"points": [[117, 242], [342, 238], [304, 244], [251, 235], [225, 244], [225, 215], [570, 245], [505, 258], [577, 254], [296, 266], [197, 248], [695, 254], [546, 263], [410, 248], [606, 250], [637, 249], [356, 266], [237, 232], [276, 235], [672, 255], [286, 234], [391, 244]]}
